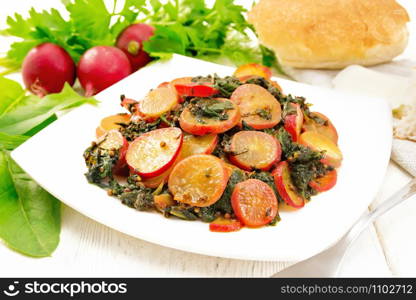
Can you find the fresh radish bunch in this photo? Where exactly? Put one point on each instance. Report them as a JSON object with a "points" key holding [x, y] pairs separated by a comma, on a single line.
{"points": [[131, 42], [100, 67], [46, 68]]}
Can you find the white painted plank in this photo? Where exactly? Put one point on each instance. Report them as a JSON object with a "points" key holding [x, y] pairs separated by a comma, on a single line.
{"points": [[396, 229]]}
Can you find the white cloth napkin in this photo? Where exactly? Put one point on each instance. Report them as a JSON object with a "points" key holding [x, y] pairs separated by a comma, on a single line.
{"points": [[395, 82], [404, 153]]}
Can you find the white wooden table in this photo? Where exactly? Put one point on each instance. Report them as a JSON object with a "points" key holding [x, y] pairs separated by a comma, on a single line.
{"points": [[89, 249]]}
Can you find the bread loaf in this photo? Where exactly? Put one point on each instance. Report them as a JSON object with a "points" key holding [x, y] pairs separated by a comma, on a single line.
{"points": [[331, 34]]}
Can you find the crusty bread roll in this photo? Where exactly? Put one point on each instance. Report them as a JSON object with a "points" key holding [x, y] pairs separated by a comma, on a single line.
{"points": [[331, 34]]}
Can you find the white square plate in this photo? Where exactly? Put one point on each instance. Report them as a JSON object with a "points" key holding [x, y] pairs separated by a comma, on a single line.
{"points": [[54, 159]]}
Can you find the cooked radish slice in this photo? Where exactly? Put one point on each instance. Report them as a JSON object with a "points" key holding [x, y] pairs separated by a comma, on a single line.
{"points": [[204, 144], [254, 150], [203, 125], [113, 140], [293, 122], [154, 152], [195, 90], [285, 186], [188, 80], [253, 69], [258, 108], [184, 86], [198, 180], [324, 183], [319, 142], [127, 102], [254, 203], [327, 129], [112, 122], [164, 84], [157, 102], [225, 225], [154, 182], [163, 201]]}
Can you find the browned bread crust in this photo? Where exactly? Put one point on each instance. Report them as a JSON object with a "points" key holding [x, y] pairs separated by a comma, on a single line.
{"points": [[331, 34]]}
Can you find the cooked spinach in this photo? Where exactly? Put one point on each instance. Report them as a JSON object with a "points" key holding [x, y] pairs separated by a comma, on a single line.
{"points": [[210, 109], [134, 129], [226, 86], [185, 213], [224, 145], [264, 113], [140, 198], [304, 163], [208, 214], [224, 204], [100, 163], [276, 220], [264, 83]]}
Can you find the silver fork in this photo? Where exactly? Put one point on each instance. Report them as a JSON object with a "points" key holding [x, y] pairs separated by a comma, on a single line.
{"points": [[328, 262]]}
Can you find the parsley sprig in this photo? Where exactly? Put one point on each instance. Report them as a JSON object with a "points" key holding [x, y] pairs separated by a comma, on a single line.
{"points": [[187, 27]]}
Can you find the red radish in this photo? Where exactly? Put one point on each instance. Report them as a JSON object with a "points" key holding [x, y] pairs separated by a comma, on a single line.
{"points": [[324, 183], [259, 109], [253, 69], [113, 140], [225, 225], [184, 87], [46, 68], [320, 142], [254, 203], [198, 180], [195, 90], [112, 122], [193, 125], [285, 186], [157, 102], [254, 150], [204, 144], [131, 42], [293, 122], [154, 152], [100, 67]]}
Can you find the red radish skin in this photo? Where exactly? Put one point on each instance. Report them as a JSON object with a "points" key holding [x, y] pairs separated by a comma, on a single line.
{"points": [[324, 183], [131, 42], [100, 67], [254, 203], [285, 187], [46, 68], [114, 140], [293, 122], [195, 90], [225, 225], [254, 150], [154, 152]]}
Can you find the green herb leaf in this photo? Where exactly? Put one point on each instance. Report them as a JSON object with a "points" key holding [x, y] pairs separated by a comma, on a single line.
{"points": [[187, 27], [91, 18], [10, 142], [19, 113], [210, 108], [29, 216]]}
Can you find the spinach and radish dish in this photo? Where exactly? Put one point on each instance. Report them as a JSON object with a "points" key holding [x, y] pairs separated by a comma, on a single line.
{"points": [[229, 151]]}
